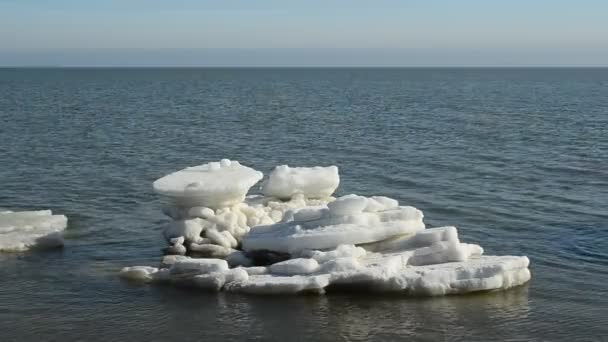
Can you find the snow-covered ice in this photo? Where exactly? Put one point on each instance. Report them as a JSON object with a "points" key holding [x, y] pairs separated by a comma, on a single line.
{"points": [[20, 231], [312, 182], [342, 251], [295, 266], [212, 185], [296, 238], [225, 227], [372, 273], [343, 221]]}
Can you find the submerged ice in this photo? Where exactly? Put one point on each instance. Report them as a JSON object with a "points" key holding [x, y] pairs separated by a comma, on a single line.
{"points": [[20, 231], [296, 238]]}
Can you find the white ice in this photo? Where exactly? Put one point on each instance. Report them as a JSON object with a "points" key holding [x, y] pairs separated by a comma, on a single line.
{"points": [[20, 231], [202, 226], [212, 185], [444, 251], [295, 266], [342, 251], [429, 262], [421, 238], [365, 243], [343, 221], [313, 182], [371, 273]]}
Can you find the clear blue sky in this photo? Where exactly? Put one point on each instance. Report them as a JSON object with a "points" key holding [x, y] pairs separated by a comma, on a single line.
{"points": [[261, 32]]}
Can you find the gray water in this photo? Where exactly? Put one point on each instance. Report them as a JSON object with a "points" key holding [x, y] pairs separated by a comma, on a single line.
{"points": [[516, 158]]}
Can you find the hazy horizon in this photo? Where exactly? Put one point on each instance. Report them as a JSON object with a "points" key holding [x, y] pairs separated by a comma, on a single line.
{"points": [[314, 33], [295, 58]]}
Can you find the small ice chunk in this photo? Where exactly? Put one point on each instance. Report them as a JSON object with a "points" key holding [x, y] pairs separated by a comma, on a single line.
{"points": [[309, 214], [211, 250], [218, 238], [177, 240], [422, 238], [202, 212], [344, 264], [478, 274], [216, 280], [189, 229], [433, 235], [238, 258], [177, 249], [212, 185], [347, 205], [138, 273], [197, 266], [295, 266], [256, 270], [162, 275], [212, 281], [169, 260], [313, 182], [230, 238], [341, 251], [390, 272], [442, 252], [380, 203], [20, 231]]}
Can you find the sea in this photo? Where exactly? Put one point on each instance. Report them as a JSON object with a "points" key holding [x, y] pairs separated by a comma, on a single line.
{"points": [[516, 158]]}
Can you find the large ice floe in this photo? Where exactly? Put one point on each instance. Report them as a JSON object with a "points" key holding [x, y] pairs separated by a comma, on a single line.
{"points": [[20, 231], [295, 237]]}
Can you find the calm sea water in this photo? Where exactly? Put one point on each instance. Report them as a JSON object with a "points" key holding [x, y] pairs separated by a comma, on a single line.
{"points": [[516, 158]]}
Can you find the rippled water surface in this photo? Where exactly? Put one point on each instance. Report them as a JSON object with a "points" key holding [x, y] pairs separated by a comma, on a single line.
{"points": [[516, 158]]}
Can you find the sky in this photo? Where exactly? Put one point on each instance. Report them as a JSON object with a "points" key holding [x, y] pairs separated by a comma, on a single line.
{"points": [[302, 33]]}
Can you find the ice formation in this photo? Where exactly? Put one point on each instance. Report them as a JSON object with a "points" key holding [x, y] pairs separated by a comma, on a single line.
{"points": [[296, 238], [213, 185], [347, 220], [312, 182], [20, 231]]}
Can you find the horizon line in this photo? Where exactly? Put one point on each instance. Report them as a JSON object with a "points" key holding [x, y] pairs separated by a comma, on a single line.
{"points": [[295, 66]]}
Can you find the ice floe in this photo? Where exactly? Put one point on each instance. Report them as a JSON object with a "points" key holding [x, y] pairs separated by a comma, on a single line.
{"points": [[20, 231], [296, 238]]}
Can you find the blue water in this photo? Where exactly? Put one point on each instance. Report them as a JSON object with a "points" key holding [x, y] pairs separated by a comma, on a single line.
{"points": [[516, 158]]}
